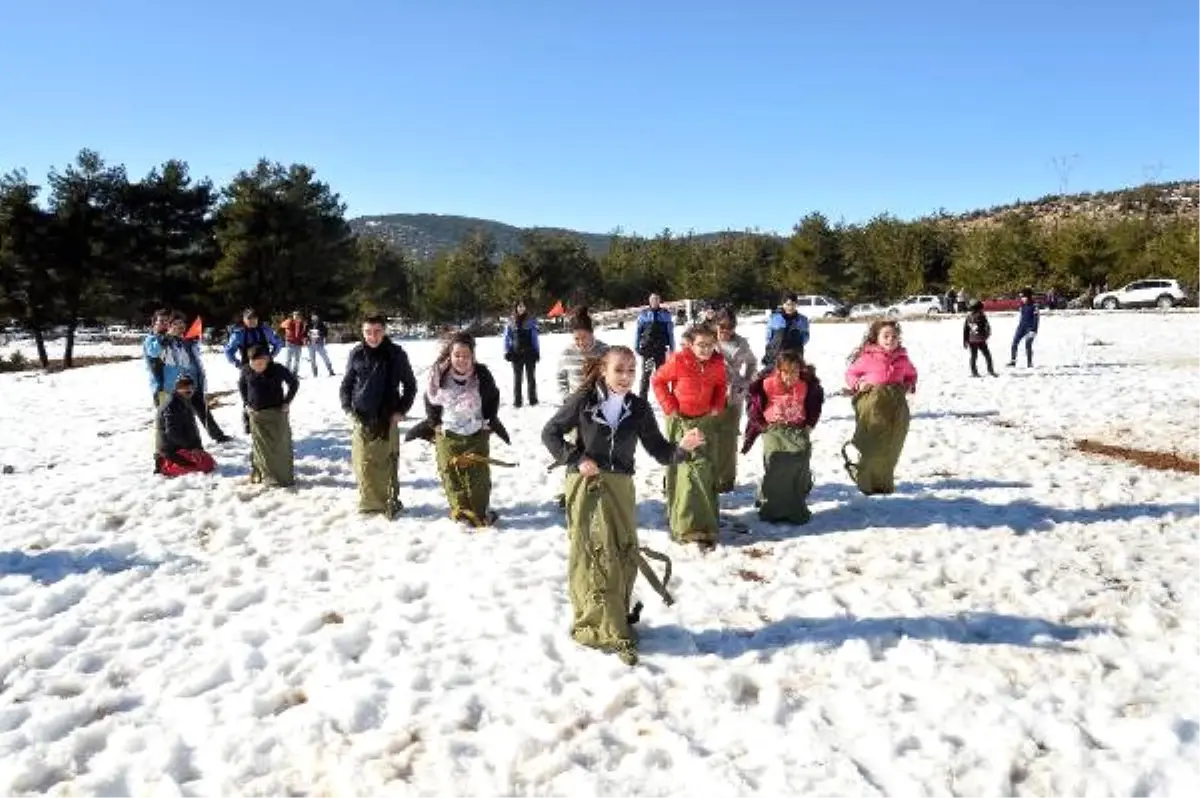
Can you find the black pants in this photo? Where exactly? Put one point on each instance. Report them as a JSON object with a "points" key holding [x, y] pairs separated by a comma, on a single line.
{"points": [[200, 408], [526, 367], [649, 366], [987, 357]]}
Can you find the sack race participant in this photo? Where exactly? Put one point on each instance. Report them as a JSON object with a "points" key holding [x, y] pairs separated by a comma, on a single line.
{"points": [[261, 384], [461, 406], [881, 377], [178, 435], [595, 435], [690, 388], [740, 365], [573, 362], [783, 405], [377, 391]]}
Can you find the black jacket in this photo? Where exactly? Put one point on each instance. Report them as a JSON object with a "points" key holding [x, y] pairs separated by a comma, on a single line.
{"points": [[489, 395], [371, 386], [264, 391], [177, 427], [611, 449], [976, 328], [321, 329]]}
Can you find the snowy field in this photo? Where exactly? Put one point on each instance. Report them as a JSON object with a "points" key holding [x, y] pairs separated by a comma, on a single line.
{"points": [[1019, 618]]}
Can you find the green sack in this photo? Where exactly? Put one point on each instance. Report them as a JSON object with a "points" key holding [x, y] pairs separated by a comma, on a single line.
{"points": [[272, 460], [787, 475], [729, 423], [691, 485], [604, 560], [464, 466], [882, 417], [375, 455]]}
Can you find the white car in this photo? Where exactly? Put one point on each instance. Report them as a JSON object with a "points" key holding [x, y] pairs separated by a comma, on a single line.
{"points": [[815, 306], [1154, 292], [916, 305], [867, 310]]}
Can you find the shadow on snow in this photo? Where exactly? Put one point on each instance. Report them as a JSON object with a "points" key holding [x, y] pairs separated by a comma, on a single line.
{"points": [[968, 628], [49, 567]]}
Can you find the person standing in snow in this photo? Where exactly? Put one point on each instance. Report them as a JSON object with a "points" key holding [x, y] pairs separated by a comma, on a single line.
{"points": [[653, 340], [378, 389], [261, 385], [462, 405], [740, 364], [881, 376], [1027, 328], [976, 332], [786, 329], [295, 335], [784, 405], [595, 435], [522, 350], [152, 356], [318, 332], [180, 451], [182, 356], [572, 364], [249, 333], [690, 388]]}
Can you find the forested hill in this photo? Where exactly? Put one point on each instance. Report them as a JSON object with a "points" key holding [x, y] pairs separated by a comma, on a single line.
{"points": [[425, 235]]}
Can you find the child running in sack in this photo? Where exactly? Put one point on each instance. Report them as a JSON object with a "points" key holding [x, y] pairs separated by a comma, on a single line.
{"points": [[976, 332], [690, 388], [272, 460], [573, 362], [178, 435], [880, 376], [595, 435], [783, 405], [461, 406], [740, 365]]}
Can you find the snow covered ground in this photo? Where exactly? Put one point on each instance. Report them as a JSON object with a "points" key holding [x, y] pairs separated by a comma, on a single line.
{"points": [[1019, 618]]}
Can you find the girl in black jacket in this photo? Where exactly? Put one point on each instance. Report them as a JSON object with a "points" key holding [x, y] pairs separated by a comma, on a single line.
{"points": [[461, 406], [601, 504]]}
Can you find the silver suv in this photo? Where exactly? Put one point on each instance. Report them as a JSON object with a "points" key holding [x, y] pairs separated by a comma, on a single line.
{"points": [[1149, 293]]}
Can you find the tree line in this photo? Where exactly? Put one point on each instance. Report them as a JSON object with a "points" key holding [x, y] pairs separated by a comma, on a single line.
{"points": [[92, 243]]}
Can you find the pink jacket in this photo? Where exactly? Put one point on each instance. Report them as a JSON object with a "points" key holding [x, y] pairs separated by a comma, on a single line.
{"points": [[876, 366]]}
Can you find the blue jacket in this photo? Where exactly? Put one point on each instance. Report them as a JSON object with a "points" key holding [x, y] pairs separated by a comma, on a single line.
{"points": [[1029, 318], [152, 349], [785, 333], [521, 340], [655, 333], [243, 338], [179, 357]]}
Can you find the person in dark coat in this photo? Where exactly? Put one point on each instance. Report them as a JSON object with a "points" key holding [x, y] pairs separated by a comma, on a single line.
{"points": [[378, 389], [654, 340], [521, 348], [1027, 328], [261, 386], [976, 332], [177, 435]]}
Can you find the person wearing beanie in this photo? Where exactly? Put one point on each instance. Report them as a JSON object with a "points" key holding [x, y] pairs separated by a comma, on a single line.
{"points": [[261, 386]]}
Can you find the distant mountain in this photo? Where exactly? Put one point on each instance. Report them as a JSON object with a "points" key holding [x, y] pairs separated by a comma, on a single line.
{"points": [[425, 235]]}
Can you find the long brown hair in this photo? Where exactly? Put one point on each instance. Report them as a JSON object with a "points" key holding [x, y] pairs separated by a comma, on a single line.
{"points": [[460, 337], [872, 336], [593, 367]]}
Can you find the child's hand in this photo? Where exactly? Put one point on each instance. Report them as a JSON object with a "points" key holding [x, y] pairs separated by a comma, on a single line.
{"points": [[692, 440], [397, 418], [588, 467]]}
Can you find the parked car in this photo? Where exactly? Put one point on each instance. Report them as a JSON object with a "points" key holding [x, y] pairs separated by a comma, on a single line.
{"points": [[867, 310], [916, 305], [1153, 292], [816, 306]]}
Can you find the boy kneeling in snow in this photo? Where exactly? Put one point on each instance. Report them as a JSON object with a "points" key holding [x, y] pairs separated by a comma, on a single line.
{"points": [[179, 449], [261, 386]]}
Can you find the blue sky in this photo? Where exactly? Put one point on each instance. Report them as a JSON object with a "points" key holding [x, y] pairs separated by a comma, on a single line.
{"points": [[592, 115]]}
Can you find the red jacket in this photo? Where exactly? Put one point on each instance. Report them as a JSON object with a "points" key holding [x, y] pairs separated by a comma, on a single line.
{"points": [[295, 332], [689, 386]]}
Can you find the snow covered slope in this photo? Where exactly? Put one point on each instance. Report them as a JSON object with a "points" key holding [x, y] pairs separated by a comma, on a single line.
{"points": [[1018, 618]]}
